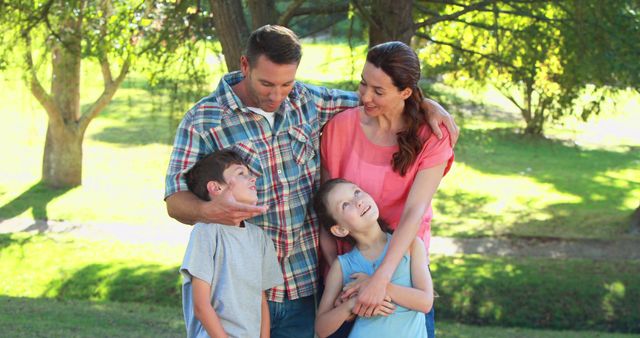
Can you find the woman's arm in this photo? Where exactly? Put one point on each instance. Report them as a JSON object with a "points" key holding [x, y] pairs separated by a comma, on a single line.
{"points": [[265, 324], [423, 188], [203, 310], [419, 297], [329, 318]]}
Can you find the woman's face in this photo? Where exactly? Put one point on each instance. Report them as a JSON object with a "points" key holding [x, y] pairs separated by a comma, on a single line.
{"points": [[378, 94]]}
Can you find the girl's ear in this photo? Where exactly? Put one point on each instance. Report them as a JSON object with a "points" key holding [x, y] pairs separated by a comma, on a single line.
{"points": [[214, 188], [339, 231]]}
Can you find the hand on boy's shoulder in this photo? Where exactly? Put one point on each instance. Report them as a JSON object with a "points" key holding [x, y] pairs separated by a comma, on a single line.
{"points": [[224, 209]]}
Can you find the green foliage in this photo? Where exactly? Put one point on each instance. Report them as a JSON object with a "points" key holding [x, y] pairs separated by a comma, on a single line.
{"points": [[558, 294], [541, 55]]}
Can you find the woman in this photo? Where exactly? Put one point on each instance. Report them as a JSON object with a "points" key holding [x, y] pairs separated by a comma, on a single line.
{"points": [[386, 147]]}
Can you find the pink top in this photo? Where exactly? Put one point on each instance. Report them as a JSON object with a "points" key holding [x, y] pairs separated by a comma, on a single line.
{"points": [[348, 153]]}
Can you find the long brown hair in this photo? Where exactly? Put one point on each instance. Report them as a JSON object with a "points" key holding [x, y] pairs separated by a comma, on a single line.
{"points": [[401, 64]]}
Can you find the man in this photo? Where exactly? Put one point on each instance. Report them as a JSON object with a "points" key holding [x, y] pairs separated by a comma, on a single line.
{"points": [[274, 122]]}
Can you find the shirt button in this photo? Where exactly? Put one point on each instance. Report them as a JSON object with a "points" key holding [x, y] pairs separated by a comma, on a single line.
{"points": [[279, 171]]}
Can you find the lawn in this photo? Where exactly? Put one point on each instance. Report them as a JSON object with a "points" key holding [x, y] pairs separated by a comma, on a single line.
{"points": [[583, 181], [37, 269]]}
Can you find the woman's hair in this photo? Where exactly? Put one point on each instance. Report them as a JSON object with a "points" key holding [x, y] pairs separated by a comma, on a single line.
{"points": [[401, 64], [325, 217]]}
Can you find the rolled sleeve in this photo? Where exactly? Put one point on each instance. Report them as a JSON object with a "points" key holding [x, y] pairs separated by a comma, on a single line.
{"points": [[188, 147]]}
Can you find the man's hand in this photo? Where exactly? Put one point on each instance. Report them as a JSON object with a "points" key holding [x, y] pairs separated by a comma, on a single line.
{"points": [[224, 209], [436, 115]]}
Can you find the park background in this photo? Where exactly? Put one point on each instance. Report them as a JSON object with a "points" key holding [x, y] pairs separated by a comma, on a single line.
{"points": [[571, 174]]}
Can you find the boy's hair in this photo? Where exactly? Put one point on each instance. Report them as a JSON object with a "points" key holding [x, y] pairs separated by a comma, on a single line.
{"points": [[279, 44], [325, 217], [210, 168]]}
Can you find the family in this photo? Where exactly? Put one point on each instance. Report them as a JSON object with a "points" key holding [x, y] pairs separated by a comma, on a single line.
{"points": [[312, 206]]}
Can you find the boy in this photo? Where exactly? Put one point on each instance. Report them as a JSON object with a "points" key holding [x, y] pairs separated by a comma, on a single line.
{"points": [[227, 268]]}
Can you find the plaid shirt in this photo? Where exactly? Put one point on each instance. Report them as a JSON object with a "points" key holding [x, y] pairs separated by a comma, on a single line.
{"points": [[285, 159]]}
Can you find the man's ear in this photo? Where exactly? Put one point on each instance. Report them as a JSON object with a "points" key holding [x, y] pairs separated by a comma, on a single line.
{"points": [[244, 65], [214, 188], [339, 231]]}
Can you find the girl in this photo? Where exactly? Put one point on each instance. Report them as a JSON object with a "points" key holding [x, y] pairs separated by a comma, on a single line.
{"points": [[349, 213]]}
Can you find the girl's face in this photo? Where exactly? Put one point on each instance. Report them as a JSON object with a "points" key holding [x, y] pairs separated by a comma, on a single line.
{"points": [[352, 208], [378, 94]]}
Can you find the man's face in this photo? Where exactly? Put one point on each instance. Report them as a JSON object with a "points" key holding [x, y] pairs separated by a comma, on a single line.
{"points": [[241, 183], [268, 83]]}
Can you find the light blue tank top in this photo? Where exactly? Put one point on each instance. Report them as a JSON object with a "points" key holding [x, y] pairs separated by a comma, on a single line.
{"points": [[403, 322]]}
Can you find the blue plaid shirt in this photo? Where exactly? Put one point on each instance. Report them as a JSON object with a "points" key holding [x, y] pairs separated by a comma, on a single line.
{"points": [[285, 159]]}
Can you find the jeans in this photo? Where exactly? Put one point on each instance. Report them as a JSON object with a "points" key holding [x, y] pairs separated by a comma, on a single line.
{"points": [[431, 322], [293, 318]]}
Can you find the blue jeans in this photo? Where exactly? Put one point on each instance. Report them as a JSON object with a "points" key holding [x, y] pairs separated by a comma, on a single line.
{"points": [[293, 318], [431, 322]]}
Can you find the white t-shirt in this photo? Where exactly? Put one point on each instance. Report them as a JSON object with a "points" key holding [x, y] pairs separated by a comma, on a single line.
{"points": [[267, 115]]}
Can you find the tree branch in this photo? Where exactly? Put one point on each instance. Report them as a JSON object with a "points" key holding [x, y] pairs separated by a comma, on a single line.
{"points": [[36, 87], [105, 97], [288, 13], [466, 9], [465, 50], [286, 17]]}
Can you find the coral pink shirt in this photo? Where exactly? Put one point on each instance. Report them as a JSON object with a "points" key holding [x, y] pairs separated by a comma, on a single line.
{"points": [[348, 153]]}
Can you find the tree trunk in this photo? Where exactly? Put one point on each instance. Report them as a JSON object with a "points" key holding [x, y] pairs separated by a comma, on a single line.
{"points": [[231, 29], [62, 163], [635, 222], [391, 20], [263, 12]]}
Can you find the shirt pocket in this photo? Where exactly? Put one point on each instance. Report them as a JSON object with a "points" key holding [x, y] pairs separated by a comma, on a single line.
{"points": [[302, 144], [251, 157]]}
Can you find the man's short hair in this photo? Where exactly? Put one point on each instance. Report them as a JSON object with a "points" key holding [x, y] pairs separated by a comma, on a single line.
{"points": [[279, 44], [210, 168]]}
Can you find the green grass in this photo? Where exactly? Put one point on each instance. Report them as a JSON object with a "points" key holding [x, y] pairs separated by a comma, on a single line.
{"points": [[501, 184], [28, 317], [534, 293], [22, 317]]}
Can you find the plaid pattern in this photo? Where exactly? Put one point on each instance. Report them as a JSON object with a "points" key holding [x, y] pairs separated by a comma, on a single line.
{"points": [[285, 159]]}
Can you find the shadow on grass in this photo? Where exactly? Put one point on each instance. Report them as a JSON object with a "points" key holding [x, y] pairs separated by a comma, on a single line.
{"points": [[556, 294], [582, 174], [120, 282], [36, 198]]}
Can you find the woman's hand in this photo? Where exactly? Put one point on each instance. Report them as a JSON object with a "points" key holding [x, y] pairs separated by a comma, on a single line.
{"points": [[371, 294]]}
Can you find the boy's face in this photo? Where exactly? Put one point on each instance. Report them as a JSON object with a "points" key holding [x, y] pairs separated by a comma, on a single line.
{"points": [[352, 208], [241, 183]]}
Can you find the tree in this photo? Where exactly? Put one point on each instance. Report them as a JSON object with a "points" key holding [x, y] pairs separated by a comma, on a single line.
{"points": [[233, 31], [542, 55], [115, 33]]}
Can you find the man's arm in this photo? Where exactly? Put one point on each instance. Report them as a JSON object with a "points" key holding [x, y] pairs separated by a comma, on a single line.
{"points": [[436, 115], [187, 208], [203, 310]]}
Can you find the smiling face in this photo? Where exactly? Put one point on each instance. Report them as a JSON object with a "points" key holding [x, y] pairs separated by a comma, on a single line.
{"points": [[241, 183], [378, 93], [267, 83], [352, 208]]}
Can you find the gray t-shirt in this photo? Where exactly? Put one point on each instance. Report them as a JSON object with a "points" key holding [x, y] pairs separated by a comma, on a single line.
{"points": [[239, 263]]}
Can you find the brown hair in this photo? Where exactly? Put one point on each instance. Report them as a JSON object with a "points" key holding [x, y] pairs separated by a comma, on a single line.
{"points": [[401, 64], [210, 168], [325, 217], [279, 44]]}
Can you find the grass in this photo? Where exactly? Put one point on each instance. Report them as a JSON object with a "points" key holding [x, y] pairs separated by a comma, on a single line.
{"points": [[501, 184], [75, 318], [29, 317], [534, 293]]}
